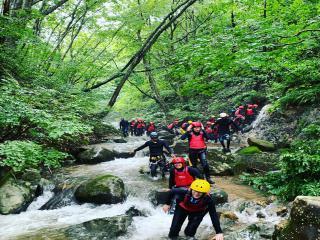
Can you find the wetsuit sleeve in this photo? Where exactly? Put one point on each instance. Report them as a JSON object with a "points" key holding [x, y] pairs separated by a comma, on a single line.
{"points": [[176, 191], [214, 216], [171, 179], [185, 135], [166, 145], [194, 172], [142, 147]]}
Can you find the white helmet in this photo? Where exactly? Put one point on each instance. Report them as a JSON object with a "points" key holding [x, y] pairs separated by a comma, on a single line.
{"points": [[222, 115]]}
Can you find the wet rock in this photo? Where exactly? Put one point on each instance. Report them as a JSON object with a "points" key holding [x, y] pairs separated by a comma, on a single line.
{"points": [[134, 212], [62, 198], [100, 229], [219, 196], [261, 144], [282, 211], [31, 175], [180, 147], [260, 215], [16, 195], [262, 162], [119, 140], [221, 169], [230, 215], [214, 155], [106, 189], [96, 154], [304, 222], [164, 135]]}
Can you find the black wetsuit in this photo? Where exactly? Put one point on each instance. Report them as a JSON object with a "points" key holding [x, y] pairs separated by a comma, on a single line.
{"points": [[156, 155], [194, 218], [224, 130]]}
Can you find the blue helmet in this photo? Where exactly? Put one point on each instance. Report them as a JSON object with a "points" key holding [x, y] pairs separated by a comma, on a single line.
{"points": [[154, 135]]}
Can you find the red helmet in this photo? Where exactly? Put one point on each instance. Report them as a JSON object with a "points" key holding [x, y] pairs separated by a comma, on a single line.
{"points": [[241, 107], [151, 122], [250, 105], [255, 105], [196, 124], [179, 160], [209, 123]]}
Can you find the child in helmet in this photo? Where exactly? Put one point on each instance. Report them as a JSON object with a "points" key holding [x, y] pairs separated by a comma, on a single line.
{"points": [[197, 147], [193, 203], [157, 158]]}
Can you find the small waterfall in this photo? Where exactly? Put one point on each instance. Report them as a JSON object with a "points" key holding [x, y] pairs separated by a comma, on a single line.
{"points": [[262, 117]]}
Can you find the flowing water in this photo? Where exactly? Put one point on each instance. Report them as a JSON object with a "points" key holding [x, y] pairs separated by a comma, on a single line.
{"points": [[36, 224]]}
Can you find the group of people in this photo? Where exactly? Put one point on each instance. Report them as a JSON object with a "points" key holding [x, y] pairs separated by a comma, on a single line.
{"points": [[188, 188], [136, 127], [245, 114]]}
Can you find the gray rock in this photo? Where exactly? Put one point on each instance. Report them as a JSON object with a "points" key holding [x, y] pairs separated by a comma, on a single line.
{"points": [[220, 169], [100, 229], [15, 196], [304, 222], [180, 147], [106, 189], [261, 144]]}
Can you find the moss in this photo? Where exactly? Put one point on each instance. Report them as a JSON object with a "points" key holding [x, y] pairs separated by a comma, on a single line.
{"points": [[249, 150]]}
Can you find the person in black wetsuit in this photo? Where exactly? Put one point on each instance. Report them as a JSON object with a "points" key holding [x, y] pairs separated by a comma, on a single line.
{"points": [[157, 158], [197, 147], [194, 204], [124, 127], [223, 124]]}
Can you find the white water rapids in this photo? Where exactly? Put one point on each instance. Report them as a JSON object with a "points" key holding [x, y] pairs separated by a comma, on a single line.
{"points": [[155, 226]]}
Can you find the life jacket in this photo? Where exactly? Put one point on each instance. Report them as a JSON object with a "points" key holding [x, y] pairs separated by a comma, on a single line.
{"points": [[132, 123], [197, 141], [151, 128], [200, 206], [140, 125], [182, 178], [249, 112]]}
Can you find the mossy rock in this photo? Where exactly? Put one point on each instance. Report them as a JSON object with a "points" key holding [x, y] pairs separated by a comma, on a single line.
{"points": [[261, 144], [219, 196], [304, 221], [249, 150], [106, 189]]}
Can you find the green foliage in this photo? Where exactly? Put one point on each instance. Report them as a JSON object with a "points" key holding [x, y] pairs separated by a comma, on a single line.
{"points": [[299, 170], [21, 155]]}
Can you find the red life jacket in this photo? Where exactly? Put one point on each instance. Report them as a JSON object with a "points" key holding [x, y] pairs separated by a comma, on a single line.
{"points": [[183, 178], [132, 123], [199, 207], [249, 112], [151, 128], [209, 130], [140, 125], [197, 141]]}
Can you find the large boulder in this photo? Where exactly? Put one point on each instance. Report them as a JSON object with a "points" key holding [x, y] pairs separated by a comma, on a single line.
{"points": [[102, 228], [180, 147], [261, 144], [220, 169], [214, 155], [106, 189], [261, 162], [164, 135], [101, 153], [16, 195], [304, 222]]}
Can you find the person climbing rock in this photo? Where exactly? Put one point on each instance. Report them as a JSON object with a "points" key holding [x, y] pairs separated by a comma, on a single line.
{"points": [[209, 130], [124, 127], [140, 125], [194, 203], [223, 124], [197, 147], [239, 116], [249, 114], [157, 158], [181, 176], [150, 128]]}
